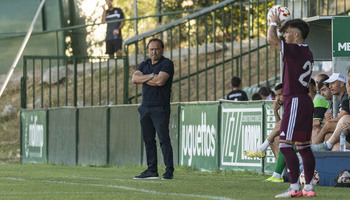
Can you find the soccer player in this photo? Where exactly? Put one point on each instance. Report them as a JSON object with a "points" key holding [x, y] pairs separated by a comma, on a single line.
{"points": [[296, 123]]}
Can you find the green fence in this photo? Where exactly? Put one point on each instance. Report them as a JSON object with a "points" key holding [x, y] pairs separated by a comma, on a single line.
{"points": [[204, 135], [242, 129], [199, 135], [34, 136], [62, 140]]}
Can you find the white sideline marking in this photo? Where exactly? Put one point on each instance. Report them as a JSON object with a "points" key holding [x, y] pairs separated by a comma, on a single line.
{"points": [[122, 188]]}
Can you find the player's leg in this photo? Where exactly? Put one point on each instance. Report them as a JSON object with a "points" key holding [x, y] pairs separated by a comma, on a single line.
{"points": [[260, 153], [343, 125], [316, 128], [292, 162], [309, 168], [327, 128], [277, 174], [296, 125]]}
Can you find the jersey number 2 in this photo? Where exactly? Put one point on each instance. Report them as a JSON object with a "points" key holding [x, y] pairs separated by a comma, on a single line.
{"points": [[305, 74]]}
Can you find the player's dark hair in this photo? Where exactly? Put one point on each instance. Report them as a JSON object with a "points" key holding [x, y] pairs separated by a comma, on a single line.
{"points": [[312, 82], [323, 76], [265, 91], [156, 40], [256, 96], [279, 86], [299, 24], [235, 81], [322, 83]]}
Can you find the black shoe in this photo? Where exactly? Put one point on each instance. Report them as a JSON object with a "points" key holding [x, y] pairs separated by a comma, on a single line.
{"points": [[168, 176], [147, 175]]}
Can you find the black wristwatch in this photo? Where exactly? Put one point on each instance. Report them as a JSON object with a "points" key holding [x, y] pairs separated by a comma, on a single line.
{"points": [[320, 120]]}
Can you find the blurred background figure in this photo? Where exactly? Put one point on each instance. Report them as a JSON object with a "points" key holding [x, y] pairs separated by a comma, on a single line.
{"points": [[266, 93], [236, 94], [114, 37]]}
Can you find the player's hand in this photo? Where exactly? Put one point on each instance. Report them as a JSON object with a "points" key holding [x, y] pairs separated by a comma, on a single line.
{"points": [[275, 17], [328, 115], [276, 106]]}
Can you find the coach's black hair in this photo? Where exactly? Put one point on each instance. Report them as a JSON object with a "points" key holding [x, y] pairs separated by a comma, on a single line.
{"points": [[299, 24], [157, 40], [279, 86]]}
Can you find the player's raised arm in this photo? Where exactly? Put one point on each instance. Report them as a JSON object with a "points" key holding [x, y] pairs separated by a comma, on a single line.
{"points": [[272, 37]]}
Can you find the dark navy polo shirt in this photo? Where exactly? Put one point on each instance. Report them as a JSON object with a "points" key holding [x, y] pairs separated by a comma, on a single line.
{"points": [[157, 95]]}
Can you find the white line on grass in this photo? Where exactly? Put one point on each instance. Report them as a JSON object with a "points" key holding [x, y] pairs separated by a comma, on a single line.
{"points": [[122, 188], [112, 179]]}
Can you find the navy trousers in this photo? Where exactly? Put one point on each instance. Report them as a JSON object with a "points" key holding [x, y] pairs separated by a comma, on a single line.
{"points": [[156, 119]]}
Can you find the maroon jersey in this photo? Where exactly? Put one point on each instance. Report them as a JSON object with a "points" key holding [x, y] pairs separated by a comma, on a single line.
{"points": [[298, 61], [296, 124]]}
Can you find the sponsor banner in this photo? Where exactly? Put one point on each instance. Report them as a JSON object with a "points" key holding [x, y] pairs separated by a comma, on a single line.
{"points": [[198, 142], [241, 129], [341, 37], [34, 145], [270, 123]]}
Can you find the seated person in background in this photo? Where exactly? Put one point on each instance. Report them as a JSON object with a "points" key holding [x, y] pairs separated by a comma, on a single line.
{"points": [[236, 94], [320, 107], [343, 125], [318, 79], [320, 104], [266, 93], [332, 143], [325, 92], [256, 96], [260, 153], [337, 86]]}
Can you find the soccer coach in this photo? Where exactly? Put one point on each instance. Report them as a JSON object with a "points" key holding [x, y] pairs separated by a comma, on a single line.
{"points": [[156, 76]]}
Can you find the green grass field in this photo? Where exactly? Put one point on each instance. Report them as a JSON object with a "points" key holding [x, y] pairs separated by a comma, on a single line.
{"points": [[62, 182]]}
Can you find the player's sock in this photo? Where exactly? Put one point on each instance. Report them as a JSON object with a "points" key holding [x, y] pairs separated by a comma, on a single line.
{"points": [[292, 161], [264, 146], [329, 145], [308, 162], [295, 186], [308, 187], [276, 175], [281, 163]]}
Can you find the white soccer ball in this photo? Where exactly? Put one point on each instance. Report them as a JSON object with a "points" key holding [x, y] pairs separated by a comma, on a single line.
{"points": [[284, 14], [315, 179]]}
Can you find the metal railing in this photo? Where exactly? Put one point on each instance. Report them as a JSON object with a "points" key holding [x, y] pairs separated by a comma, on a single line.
{"points": [[54, 81], [207, 47], [236, 31]]}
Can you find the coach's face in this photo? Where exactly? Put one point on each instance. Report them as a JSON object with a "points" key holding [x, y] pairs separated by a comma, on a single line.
{"points": [[155, 51]]}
